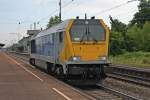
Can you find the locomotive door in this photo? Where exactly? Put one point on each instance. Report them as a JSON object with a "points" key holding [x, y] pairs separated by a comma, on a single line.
{"points": [[58, 46], [33, 46]]}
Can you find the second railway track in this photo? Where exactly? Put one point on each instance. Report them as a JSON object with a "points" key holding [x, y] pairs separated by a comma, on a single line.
{"points": [[131, 75]]}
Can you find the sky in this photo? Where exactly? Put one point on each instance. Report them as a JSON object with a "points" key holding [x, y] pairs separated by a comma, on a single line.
{"points": [[26, 12]]}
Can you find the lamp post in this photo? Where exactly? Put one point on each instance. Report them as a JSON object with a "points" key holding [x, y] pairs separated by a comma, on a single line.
{"points": [[60, 10], [60, 6]]}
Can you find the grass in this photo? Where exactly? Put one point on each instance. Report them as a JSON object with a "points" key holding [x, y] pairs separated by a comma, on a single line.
{"points": [[137, 59]]}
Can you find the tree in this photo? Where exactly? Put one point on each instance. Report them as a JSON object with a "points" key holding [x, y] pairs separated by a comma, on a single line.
{"points": [[143, 14], [145, 32], [139, 38], [117, 26], [52, 21], [116, 44], [118, 36], [134, 38]]}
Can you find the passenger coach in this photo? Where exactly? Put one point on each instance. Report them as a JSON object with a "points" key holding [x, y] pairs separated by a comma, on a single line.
{"points": [[75, 49]]}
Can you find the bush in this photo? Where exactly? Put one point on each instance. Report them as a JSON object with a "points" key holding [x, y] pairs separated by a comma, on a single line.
{"points": [[132, 58], [116, 43], [139, 39], [146, 61]]}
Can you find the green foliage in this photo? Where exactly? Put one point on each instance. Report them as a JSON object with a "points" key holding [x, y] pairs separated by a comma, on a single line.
{"points": [[53, 20], [130, 44], [146, 36], [134, 42], [118, 37], [117, 43], [139, 38], [143, 14], [117, 26], [132, 39], [134, 59]]}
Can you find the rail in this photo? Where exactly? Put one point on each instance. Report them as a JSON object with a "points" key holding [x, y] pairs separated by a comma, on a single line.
{"points": [[117, 93], [135, 75], [101, 92]]}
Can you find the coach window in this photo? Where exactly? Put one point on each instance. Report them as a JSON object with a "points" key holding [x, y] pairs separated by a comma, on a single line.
{"points": [[60, 37]]}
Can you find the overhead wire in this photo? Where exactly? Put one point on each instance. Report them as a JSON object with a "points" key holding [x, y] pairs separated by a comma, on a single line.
{"points": [[115, 7], [67, 4], [125, 13], [55, 11]]}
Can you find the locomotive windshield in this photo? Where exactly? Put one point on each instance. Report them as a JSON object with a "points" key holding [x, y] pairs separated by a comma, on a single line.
{"points": [[87, 30]]}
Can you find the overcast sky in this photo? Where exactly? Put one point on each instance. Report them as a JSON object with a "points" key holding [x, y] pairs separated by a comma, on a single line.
{"points": [[28, 11]]}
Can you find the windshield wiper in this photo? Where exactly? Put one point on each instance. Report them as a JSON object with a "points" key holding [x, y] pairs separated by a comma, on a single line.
{"points": [[87, 34], [84, 35], [93, 38]]}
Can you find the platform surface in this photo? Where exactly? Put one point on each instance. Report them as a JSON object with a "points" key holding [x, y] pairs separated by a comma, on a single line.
{"points": [[18, 81]]}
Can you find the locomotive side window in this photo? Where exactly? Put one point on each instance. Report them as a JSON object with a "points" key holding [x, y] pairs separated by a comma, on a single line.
{"points": [[60, 37]]}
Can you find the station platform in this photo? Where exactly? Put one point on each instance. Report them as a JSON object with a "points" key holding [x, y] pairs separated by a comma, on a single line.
{"points": [[19, 81]]}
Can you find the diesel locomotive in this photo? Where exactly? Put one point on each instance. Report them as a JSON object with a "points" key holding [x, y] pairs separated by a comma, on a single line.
{"points": [[75, 49]]}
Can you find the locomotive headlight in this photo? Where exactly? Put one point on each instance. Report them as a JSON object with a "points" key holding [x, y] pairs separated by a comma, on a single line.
{"points": [[76, 58], [103, 58]]}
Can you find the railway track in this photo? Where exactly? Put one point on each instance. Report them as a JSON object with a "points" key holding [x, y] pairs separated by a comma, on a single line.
{"points": [[101, 92], [136, 76], [130, 80], [24, 56]]}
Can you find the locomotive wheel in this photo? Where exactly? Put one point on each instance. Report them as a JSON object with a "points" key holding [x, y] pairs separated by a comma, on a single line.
{"points": [[50, 68], [59, 72], [32, 61]]}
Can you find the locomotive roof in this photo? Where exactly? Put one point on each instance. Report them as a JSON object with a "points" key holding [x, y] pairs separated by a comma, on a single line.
{"points": [[57, 28]]}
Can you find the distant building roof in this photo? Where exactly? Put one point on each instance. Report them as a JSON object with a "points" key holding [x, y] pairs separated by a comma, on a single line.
{"points": [[32, 32], [24, 39]]}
